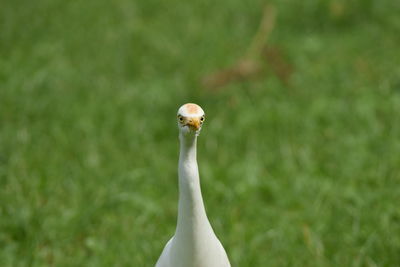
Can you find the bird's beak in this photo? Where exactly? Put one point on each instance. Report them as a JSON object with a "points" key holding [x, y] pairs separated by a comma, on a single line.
{"points": [[193, 123]]}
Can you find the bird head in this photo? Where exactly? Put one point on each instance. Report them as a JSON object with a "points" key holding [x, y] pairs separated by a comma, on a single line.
{"points": [[190, 118]]}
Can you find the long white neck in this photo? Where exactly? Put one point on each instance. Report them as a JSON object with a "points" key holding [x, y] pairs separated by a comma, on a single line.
{"points": [[192, 218]]}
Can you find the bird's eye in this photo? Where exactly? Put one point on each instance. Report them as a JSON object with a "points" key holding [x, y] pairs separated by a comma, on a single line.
{"points": [[180, 118], [202, 119]]}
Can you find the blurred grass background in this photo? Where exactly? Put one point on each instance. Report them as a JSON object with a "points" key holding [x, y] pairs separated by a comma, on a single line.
{"points": [[304, 173]]}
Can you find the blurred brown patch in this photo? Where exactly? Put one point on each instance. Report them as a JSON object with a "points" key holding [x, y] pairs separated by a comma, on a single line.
{"points": [[258, 58], [277, 62], [337, 8], [242, 70]]}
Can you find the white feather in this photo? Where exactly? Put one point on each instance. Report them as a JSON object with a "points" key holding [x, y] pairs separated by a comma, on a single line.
{"points": [[194, 243]]}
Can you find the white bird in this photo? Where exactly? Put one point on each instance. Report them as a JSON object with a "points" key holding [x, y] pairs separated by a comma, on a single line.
{"points": [[194, 243]]}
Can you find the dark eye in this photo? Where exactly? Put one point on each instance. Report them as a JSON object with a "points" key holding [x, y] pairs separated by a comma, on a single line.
{"points": [[180, 118], [202, 119]]}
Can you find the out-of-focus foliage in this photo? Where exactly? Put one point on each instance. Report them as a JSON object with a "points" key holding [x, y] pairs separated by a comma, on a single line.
{"points": [[304, 173]]}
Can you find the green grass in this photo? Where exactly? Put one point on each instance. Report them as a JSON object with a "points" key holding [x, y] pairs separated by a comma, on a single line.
{"points": [[305, 174]]}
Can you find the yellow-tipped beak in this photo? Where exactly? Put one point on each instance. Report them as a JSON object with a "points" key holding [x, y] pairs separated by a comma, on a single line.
{"points": [[193, 123]]}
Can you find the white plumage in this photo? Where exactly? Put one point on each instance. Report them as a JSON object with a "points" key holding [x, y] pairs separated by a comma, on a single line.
{"points": [[194, 243]]}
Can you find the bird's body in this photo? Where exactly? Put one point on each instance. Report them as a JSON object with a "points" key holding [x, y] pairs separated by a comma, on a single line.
{"points": [[194, 243]]}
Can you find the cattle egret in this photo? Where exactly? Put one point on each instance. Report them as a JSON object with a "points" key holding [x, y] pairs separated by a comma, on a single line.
{"points": [[194, 243]]}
